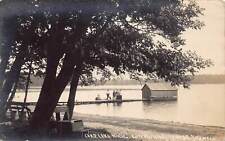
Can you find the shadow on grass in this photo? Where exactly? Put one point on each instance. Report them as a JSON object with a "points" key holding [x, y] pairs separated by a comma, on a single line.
{"points": [[20, 132]]}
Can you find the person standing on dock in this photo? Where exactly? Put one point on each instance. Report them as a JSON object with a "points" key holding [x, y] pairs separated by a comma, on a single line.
{"points": [[114, 94], [107, 95]]}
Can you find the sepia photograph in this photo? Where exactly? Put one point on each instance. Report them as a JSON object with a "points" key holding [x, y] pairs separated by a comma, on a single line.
{"points": [[112, 70]]}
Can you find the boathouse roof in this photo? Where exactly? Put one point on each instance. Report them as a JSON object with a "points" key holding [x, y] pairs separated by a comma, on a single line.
{"points": [[160, 87]]}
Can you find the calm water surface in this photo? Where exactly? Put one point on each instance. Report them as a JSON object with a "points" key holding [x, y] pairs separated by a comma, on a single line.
{"points": [[201, 104]]}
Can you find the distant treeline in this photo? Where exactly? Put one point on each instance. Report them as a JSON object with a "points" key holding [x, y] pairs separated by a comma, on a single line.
{"points": [[201, 79], [198, 79]]}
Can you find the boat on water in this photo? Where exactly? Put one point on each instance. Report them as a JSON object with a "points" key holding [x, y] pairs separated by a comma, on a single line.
{"points": [[98, 97]]}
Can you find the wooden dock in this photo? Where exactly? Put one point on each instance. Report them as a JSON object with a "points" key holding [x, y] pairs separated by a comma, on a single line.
{"points": [[105, 101], [101, 101]]}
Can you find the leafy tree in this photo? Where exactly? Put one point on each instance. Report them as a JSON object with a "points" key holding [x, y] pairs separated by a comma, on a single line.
{"points": [[19, 47], [125, 35]]}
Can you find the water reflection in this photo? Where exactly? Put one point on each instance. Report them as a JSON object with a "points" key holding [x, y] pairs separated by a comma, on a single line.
{"points": [[118, 104], [146, 105], [201, 104]]}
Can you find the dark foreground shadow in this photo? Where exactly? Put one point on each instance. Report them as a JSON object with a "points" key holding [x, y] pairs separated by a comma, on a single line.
{"points": [[12, 132]]}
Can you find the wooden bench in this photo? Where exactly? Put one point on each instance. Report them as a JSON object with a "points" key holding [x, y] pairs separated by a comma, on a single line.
{"points": [[23, 112]]}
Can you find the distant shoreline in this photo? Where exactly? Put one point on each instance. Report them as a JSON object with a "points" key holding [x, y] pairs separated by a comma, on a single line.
{"points": [[198, 79], [115, 87]]}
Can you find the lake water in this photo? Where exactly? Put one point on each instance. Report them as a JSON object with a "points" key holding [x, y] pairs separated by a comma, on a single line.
{"points": [[201, 104]]}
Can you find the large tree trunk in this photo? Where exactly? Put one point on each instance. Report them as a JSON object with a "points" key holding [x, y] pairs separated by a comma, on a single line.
{"points": [[12, 95], [52, 88], [3, 66], [7, 37], [72, 93], [49, 97], [50, 78], [8, 84]]}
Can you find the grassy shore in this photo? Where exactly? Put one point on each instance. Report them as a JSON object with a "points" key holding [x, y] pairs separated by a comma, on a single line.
{"points": [[151, 130], [119, 129]]}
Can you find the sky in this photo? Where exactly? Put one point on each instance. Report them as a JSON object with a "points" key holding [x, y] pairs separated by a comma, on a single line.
{"points": [[209, 42]]}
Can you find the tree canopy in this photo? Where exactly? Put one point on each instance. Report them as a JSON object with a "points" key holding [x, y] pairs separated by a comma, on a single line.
{"points": [[124, 35]]}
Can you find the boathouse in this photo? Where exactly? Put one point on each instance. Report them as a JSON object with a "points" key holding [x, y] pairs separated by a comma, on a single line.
{"points": [[158, 90]]}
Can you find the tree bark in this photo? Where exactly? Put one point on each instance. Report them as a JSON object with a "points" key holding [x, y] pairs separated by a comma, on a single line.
{"points": [[50, 78], [50, 93], [9, 82], [12, 95], [7, 38], [49, 97], [3, 66], [72, 93], [27, 86]]}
